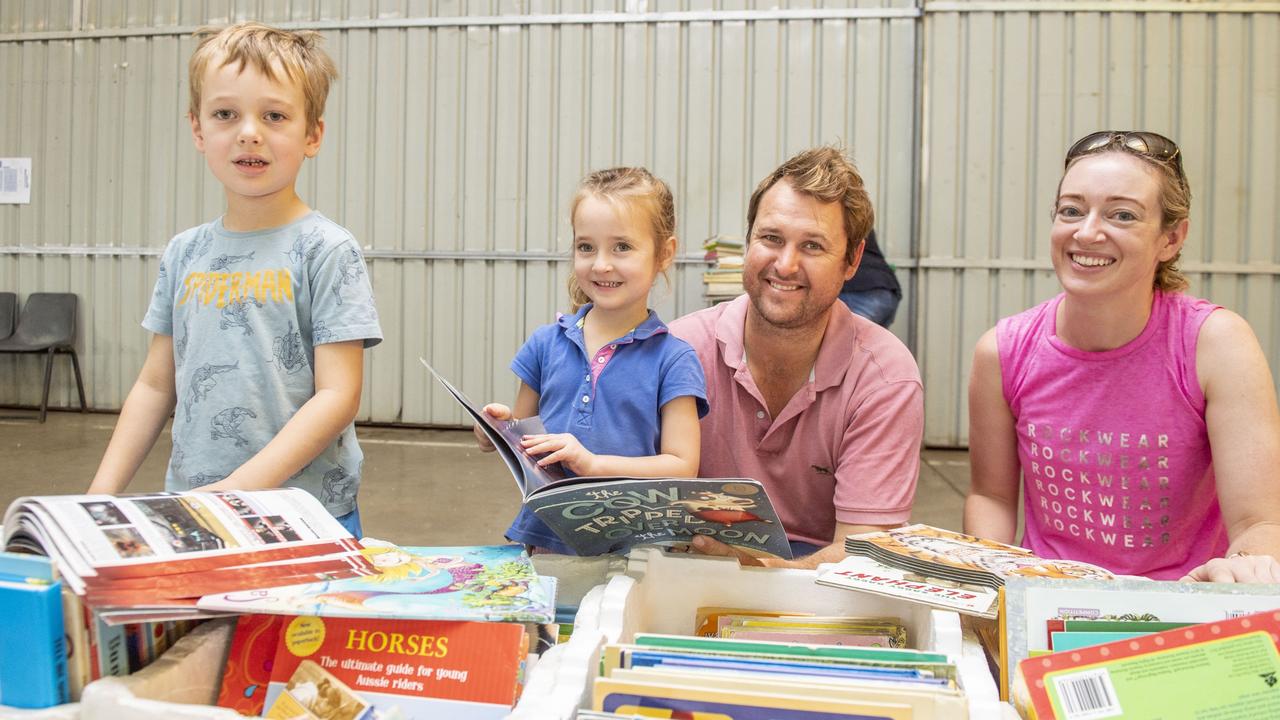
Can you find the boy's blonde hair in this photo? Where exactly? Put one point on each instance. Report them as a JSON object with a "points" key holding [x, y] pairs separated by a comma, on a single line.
{"points": [[251, 43], [639, 191]]}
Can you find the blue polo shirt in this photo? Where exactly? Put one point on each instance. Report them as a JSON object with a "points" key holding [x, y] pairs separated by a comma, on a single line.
{"points": [[611, 401]]}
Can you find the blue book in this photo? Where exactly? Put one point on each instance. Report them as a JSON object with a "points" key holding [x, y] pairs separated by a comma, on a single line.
{"points": [[33, 652]]}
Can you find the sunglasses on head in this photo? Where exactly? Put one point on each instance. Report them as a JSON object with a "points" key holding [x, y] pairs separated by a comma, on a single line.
{"points": [[1153, 145]]}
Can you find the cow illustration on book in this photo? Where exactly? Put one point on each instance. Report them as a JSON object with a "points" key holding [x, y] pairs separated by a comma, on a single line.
{"points": [[722, 508]]}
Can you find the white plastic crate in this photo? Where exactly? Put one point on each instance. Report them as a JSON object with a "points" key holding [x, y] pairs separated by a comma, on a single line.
{"points": [[661, 593]]}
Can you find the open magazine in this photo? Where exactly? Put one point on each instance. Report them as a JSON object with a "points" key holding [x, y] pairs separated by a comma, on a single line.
{"points": [[599, 515], [153, 550], [943, 568]]}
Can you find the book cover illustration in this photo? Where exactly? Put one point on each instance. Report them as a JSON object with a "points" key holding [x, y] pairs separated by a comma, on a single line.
{"points": [[249, 663], [600, 515], [315, 694], [1227, 668], [429, 583], [857, 572], [937, 553], [420, 669]]}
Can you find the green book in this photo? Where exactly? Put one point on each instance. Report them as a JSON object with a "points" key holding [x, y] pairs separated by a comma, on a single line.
{"points": [[838, 652], [1136, 626]]}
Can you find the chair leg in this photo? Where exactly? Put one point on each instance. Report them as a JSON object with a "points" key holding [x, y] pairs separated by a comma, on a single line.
{"points": [[75, 365], [48, 376]]}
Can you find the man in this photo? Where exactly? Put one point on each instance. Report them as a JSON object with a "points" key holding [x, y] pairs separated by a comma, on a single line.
{"points": [[823, 407]]}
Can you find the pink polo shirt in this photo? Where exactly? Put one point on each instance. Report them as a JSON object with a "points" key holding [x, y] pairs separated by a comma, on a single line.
{"points": [[846, 446]]}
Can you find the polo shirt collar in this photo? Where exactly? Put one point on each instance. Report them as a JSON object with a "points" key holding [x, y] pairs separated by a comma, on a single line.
{"points": [[835, 355], [652, 325]]}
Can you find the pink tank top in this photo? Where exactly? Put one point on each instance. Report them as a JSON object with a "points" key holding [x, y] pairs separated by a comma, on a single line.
{"points": [[1115, 455]]}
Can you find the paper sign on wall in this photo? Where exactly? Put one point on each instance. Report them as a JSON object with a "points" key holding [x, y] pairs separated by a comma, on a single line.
{"points": [[15, 180]]}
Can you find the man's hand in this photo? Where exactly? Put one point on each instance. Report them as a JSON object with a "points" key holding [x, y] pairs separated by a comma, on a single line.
{"points": [[560, 448], [704, 545], [497, 411], [1237, 569]]}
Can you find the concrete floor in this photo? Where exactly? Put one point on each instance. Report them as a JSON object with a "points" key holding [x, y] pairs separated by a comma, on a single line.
{"points": [[420, 487]]}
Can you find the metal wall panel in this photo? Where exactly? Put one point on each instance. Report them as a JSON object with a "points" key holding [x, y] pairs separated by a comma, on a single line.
{"points": [[455, 139], [1008, 89]]}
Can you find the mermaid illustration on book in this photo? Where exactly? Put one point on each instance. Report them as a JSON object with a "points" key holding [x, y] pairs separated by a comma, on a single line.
{"points": [[446, 583]]}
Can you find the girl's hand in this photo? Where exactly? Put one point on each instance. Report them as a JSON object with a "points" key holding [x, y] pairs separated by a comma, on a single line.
{"points": [[497, 411], [563, 448]]}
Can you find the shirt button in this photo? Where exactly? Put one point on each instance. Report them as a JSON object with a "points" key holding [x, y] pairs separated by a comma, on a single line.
{"points": [[760, 414], [600, 359], [586, 398], [613, 347]]}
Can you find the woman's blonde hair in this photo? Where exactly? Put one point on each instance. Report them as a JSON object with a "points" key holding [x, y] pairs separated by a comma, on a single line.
{"points": [[637, 190], [305, 63], [1175, 206]]}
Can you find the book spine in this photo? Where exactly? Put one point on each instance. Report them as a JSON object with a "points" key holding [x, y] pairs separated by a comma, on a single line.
{"points": [[33, 652]]}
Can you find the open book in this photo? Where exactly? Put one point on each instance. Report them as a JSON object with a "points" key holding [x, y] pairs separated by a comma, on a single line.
{"points": [[598, 515], [164, 550]]}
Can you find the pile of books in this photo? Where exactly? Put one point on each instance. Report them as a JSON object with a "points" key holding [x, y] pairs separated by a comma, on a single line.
{"points": [[723, 281], [942, 568], [677, 676], [438, 632]]}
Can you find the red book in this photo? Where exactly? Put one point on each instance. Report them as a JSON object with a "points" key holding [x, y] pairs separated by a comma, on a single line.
{"points": [[426, 668], [249, 663]]}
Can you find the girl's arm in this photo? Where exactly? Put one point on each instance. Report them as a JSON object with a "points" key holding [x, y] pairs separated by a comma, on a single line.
{"points": [[1244, 436], [143, 416], [681, 446], [526, 406], [991, 509], [339, 381]]}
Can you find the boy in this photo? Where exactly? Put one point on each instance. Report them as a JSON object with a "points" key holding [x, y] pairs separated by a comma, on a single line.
{"points": [[260, 317]]}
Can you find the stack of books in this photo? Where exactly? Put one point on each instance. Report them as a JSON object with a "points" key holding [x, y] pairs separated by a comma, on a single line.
{"points": [[723, 281], [676, 676], [942, 568]]}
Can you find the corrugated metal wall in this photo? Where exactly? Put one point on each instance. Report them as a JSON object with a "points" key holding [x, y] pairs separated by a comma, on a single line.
{"points": [[1009, 90], [459, 130], [456, 137]]}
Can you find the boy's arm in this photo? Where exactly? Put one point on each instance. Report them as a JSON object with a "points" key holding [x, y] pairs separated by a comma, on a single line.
{"points": [[339, 378], [143, 416]]}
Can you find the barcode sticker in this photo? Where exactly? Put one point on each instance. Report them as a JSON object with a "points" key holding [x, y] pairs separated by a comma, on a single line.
{"points": [[1087, 695]]}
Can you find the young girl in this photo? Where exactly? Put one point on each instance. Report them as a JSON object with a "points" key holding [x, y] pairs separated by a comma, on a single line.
{"points": [[617, 393], [1143, 420]]}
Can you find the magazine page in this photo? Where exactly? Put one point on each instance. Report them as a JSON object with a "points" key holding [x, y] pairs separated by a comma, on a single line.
{"points": [[596, 516], [943, 553], [505, 436], [177, 532]]}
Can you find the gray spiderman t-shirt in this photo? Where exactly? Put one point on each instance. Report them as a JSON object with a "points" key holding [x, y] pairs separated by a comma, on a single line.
{"points": [[246, 310]]}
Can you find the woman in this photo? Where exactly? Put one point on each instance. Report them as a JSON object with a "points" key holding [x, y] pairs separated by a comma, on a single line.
{"points": [[1143, 420]]}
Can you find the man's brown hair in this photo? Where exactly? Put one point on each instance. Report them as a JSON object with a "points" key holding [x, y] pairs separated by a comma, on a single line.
{"points": [[825, 174], [305, 63]]}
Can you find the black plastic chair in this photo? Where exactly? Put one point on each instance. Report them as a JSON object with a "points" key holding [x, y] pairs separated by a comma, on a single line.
{"points": [[47, 325], [8, 313]]}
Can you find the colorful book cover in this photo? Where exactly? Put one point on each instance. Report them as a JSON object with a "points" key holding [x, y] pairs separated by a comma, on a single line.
{"points": [[249, 663], [706, 621], [425, 583], [601, 515], [1227, 668], [33, 652], [422, 669], [644, 699]]}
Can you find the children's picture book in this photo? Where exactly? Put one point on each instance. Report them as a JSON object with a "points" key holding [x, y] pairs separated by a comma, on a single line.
{"points": [[850, 631], [649, 698], [425, 583], [420, 669], [599, 515], [1221, 669], [1033, 606], [857, 572], [946, 555], [249, 662]]}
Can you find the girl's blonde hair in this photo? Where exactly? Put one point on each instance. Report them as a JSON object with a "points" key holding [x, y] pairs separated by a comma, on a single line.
{"points": [[304, 62], [637, 190]]}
